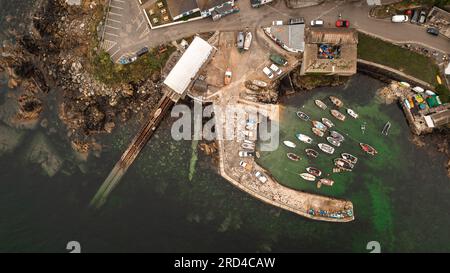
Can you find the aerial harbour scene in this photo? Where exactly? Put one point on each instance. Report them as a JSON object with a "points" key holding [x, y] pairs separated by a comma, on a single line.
{"points": [[224, 126]]}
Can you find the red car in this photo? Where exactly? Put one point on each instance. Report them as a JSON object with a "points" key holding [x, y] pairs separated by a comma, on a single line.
{"points": [[342, 23]]}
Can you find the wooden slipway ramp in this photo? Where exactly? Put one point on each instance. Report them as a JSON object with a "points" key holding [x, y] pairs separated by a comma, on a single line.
{"points": [[132, 152]]}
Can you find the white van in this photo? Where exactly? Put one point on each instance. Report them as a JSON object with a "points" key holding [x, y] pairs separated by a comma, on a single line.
{"points": [[399, 19]]}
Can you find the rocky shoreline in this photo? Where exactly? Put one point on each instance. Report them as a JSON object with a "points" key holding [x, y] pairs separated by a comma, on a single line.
{"points": [[52, 59]]}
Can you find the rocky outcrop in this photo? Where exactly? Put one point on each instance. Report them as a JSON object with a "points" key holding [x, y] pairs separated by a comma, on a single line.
{"points": [[41, 152]]}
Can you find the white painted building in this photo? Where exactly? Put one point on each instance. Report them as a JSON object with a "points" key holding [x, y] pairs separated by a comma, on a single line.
{"points": [[186, 69]]}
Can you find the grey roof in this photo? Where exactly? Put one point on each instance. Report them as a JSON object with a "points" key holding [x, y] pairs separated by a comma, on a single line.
{"points": [[293, 36], [336, 36], [209, 4], [178, 7]]}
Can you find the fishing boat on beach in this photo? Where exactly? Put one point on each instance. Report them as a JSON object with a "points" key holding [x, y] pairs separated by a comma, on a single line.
{"points": [[351, 158], [336, 101], [259, 83], [289, 144], [333, 141], [343, 164], [327, 122], [320, 104], [337, 136], [368, 149], [314, 171], [312, 153], [304, 138], [319, 125], [302, 116], [326, 148], [326, 182], [293, 156], [307, 176], [352, 113], [338, 115], [386, 128], [317, 132]]}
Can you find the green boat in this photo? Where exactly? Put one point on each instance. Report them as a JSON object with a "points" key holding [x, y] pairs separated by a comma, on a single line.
{"points": [[277, 59]]}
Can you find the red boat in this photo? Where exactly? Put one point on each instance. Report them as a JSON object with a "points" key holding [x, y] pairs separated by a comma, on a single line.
{"points": [[368, 149]]}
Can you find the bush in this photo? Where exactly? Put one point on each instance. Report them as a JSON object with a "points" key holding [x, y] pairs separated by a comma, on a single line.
{"points": [[443, 92]]}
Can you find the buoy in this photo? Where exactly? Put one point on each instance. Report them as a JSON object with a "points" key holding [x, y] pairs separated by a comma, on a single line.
{"points": [[438, 79]]}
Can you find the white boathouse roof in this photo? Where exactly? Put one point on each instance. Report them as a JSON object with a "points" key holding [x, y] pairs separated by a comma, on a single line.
{"points": [[184, 72]]}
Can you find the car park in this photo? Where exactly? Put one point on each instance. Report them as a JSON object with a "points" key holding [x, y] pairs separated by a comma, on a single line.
{"points": [[276, 69], [268, 73], [342, 23], [433, 31], [399, 19], [317, 23]]}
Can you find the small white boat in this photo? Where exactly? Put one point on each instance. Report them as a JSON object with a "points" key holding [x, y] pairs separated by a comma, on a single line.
{"points": [[327, 122], [351, 158], [259, 83], [430, 93], [304, 138], [319, 125], [405, 84], [407, 104], [320, 104], [326, 148], [289, 144], [418, 89], [307, 176], [352, 113], [334, 141], [248, 40]]}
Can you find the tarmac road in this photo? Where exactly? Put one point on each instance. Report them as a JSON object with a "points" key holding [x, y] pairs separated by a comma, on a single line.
{"points": [[356, 12]]}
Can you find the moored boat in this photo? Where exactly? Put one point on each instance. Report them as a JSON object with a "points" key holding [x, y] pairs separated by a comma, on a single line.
{"points": [[319, 125], [304, 138], [314, 171], [327, 122], [386, 128], [368, 149], [343, 164], [326, 182], [289, 144], [333, 141], [352, 113], [307, 176], [337, 136], [320, 104], [302, 116], [338, 115], [326, 148], [317, 132], [336, 101], [351, 158], [293, 156], [312, 153]]}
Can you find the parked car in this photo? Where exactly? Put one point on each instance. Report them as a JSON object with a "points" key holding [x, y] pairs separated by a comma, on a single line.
{"points": [[433, 31], [422, 17], [243, 164], [228, 75], [342, 23], [415, 16], [296, 21], [276, 69], [277, 23], [317, 23], [399, 18], [268, 73], [142, 51], [262, 178], [246, 154]]}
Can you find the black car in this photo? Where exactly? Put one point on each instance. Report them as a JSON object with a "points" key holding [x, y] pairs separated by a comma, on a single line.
{"points": [[433, 31]]}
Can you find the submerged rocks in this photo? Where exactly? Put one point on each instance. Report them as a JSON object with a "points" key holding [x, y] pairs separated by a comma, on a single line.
{"points": [[9, 139], [41, 152]]}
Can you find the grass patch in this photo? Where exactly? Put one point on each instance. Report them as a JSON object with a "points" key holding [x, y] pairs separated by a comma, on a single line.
{"points": [[409, 62], [110, 73]]}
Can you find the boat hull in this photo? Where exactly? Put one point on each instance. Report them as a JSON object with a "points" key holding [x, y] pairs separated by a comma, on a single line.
{"points": [[326, 148]]}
